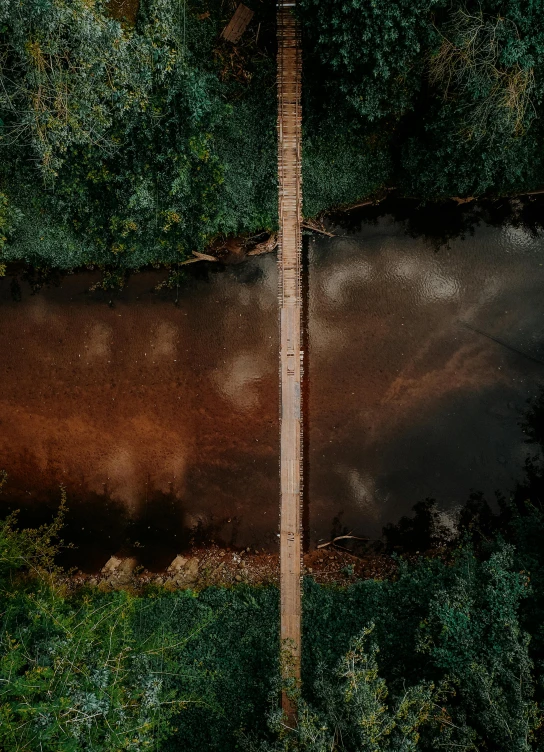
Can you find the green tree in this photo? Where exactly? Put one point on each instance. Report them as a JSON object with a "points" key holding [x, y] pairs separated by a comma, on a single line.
{"points": [[354, 712]]}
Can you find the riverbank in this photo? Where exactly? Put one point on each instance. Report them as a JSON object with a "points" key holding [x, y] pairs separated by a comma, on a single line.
{"points": [[436, 222], [198, 667], [149, 170], [211, 566]]}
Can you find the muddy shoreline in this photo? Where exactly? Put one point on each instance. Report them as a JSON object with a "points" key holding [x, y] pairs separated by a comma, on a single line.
{"points": [[209, 566]]}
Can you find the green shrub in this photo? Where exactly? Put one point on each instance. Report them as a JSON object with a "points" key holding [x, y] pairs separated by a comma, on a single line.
{"points": [[96, 670], [452, 92], [10, 217], [142, 150]]}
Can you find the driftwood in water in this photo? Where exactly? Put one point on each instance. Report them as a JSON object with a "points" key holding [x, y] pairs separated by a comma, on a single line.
{"points": [[369, 201], [204, 256], [359, 205], [198, 257], [342, 537], [458, 200], [266, 247], [531, 193], [315, 226]]}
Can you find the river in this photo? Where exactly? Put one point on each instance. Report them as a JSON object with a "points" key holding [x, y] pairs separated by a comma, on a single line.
{"points": [[157, 411]]}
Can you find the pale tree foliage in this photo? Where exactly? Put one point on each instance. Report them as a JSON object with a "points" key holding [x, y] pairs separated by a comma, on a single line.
{"points": [[468, 65], [68, 71], [355, 712], [74, 674]]}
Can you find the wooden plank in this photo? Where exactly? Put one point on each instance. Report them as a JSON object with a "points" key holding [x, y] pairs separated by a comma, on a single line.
{"points": [[290, 300], [237, 24]]}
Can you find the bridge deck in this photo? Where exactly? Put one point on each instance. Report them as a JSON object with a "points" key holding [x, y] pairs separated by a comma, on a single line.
{"points": [[289, 261]]}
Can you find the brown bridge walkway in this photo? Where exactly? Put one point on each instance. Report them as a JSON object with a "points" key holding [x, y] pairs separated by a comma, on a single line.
{"points": [[290, 299]]}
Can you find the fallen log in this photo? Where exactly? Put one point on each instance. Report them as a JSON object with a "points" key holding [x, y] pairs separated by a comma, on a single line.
{"points": [[310, 224], [198, 257], [342, 537], [266, 247], [204, 256]]}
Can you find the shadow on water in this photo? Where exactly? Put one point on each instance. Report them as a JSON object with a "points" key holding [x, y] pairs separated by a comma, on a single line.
{"points": [[97, 527], [94, 527], [477, 521], [440, 223]]}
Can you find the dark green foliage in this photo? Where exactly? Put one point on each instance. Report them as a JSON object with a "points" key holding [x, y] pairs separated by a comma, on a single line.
{"points": [[452, 91], [438, 162], [232, 659], [339, 168], [9, 219], [72, 676], [246, 143], [369, 55], [354, 712], [473, 633], [448, 635], [126, 145], [131, 145]]}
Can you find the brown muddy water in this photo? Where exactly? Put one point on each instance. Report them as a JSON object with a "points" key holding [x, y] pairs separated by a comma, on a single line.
{"points": [[159, 419], [158, 411]]}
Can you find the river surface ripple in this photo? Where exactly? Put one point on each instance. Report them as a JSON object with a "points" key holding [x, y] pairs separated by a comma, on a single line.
{"points": [[160, 416]]}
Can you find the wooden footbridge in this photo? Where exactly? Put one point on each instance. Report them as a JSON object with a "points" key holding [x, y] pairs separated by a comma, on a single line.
{"points": [[291, 366]]}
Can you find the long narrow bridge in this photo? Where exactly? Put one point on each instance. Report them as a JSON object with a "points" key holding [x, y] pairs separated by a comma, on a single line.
{"points": [[291, 367]]}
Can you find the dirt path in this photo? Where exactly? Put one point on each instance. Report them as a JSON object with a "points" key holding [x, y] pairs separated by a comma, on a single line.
{"points": [[289, 260]]}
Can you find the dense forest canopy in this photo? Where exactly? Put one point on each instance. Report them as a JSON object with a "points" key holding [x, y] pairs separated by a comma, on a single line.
{"points": [[451, 91], [134, 142], [131, 143]]}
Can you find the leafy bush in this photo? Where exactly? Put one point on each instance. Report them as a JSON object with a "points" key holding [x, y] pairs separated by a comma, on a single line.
{"points": [[145, 149], [102, 670], [453, 92], [73, 676], [439, 657], [370, 55], [10, 217], [354, 712], [339, 169]]}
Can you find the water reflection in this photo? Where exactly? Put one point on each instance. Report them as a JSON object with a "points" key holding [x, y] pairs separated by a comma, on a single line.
{"points": [[161, 418], [422, 361]]}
